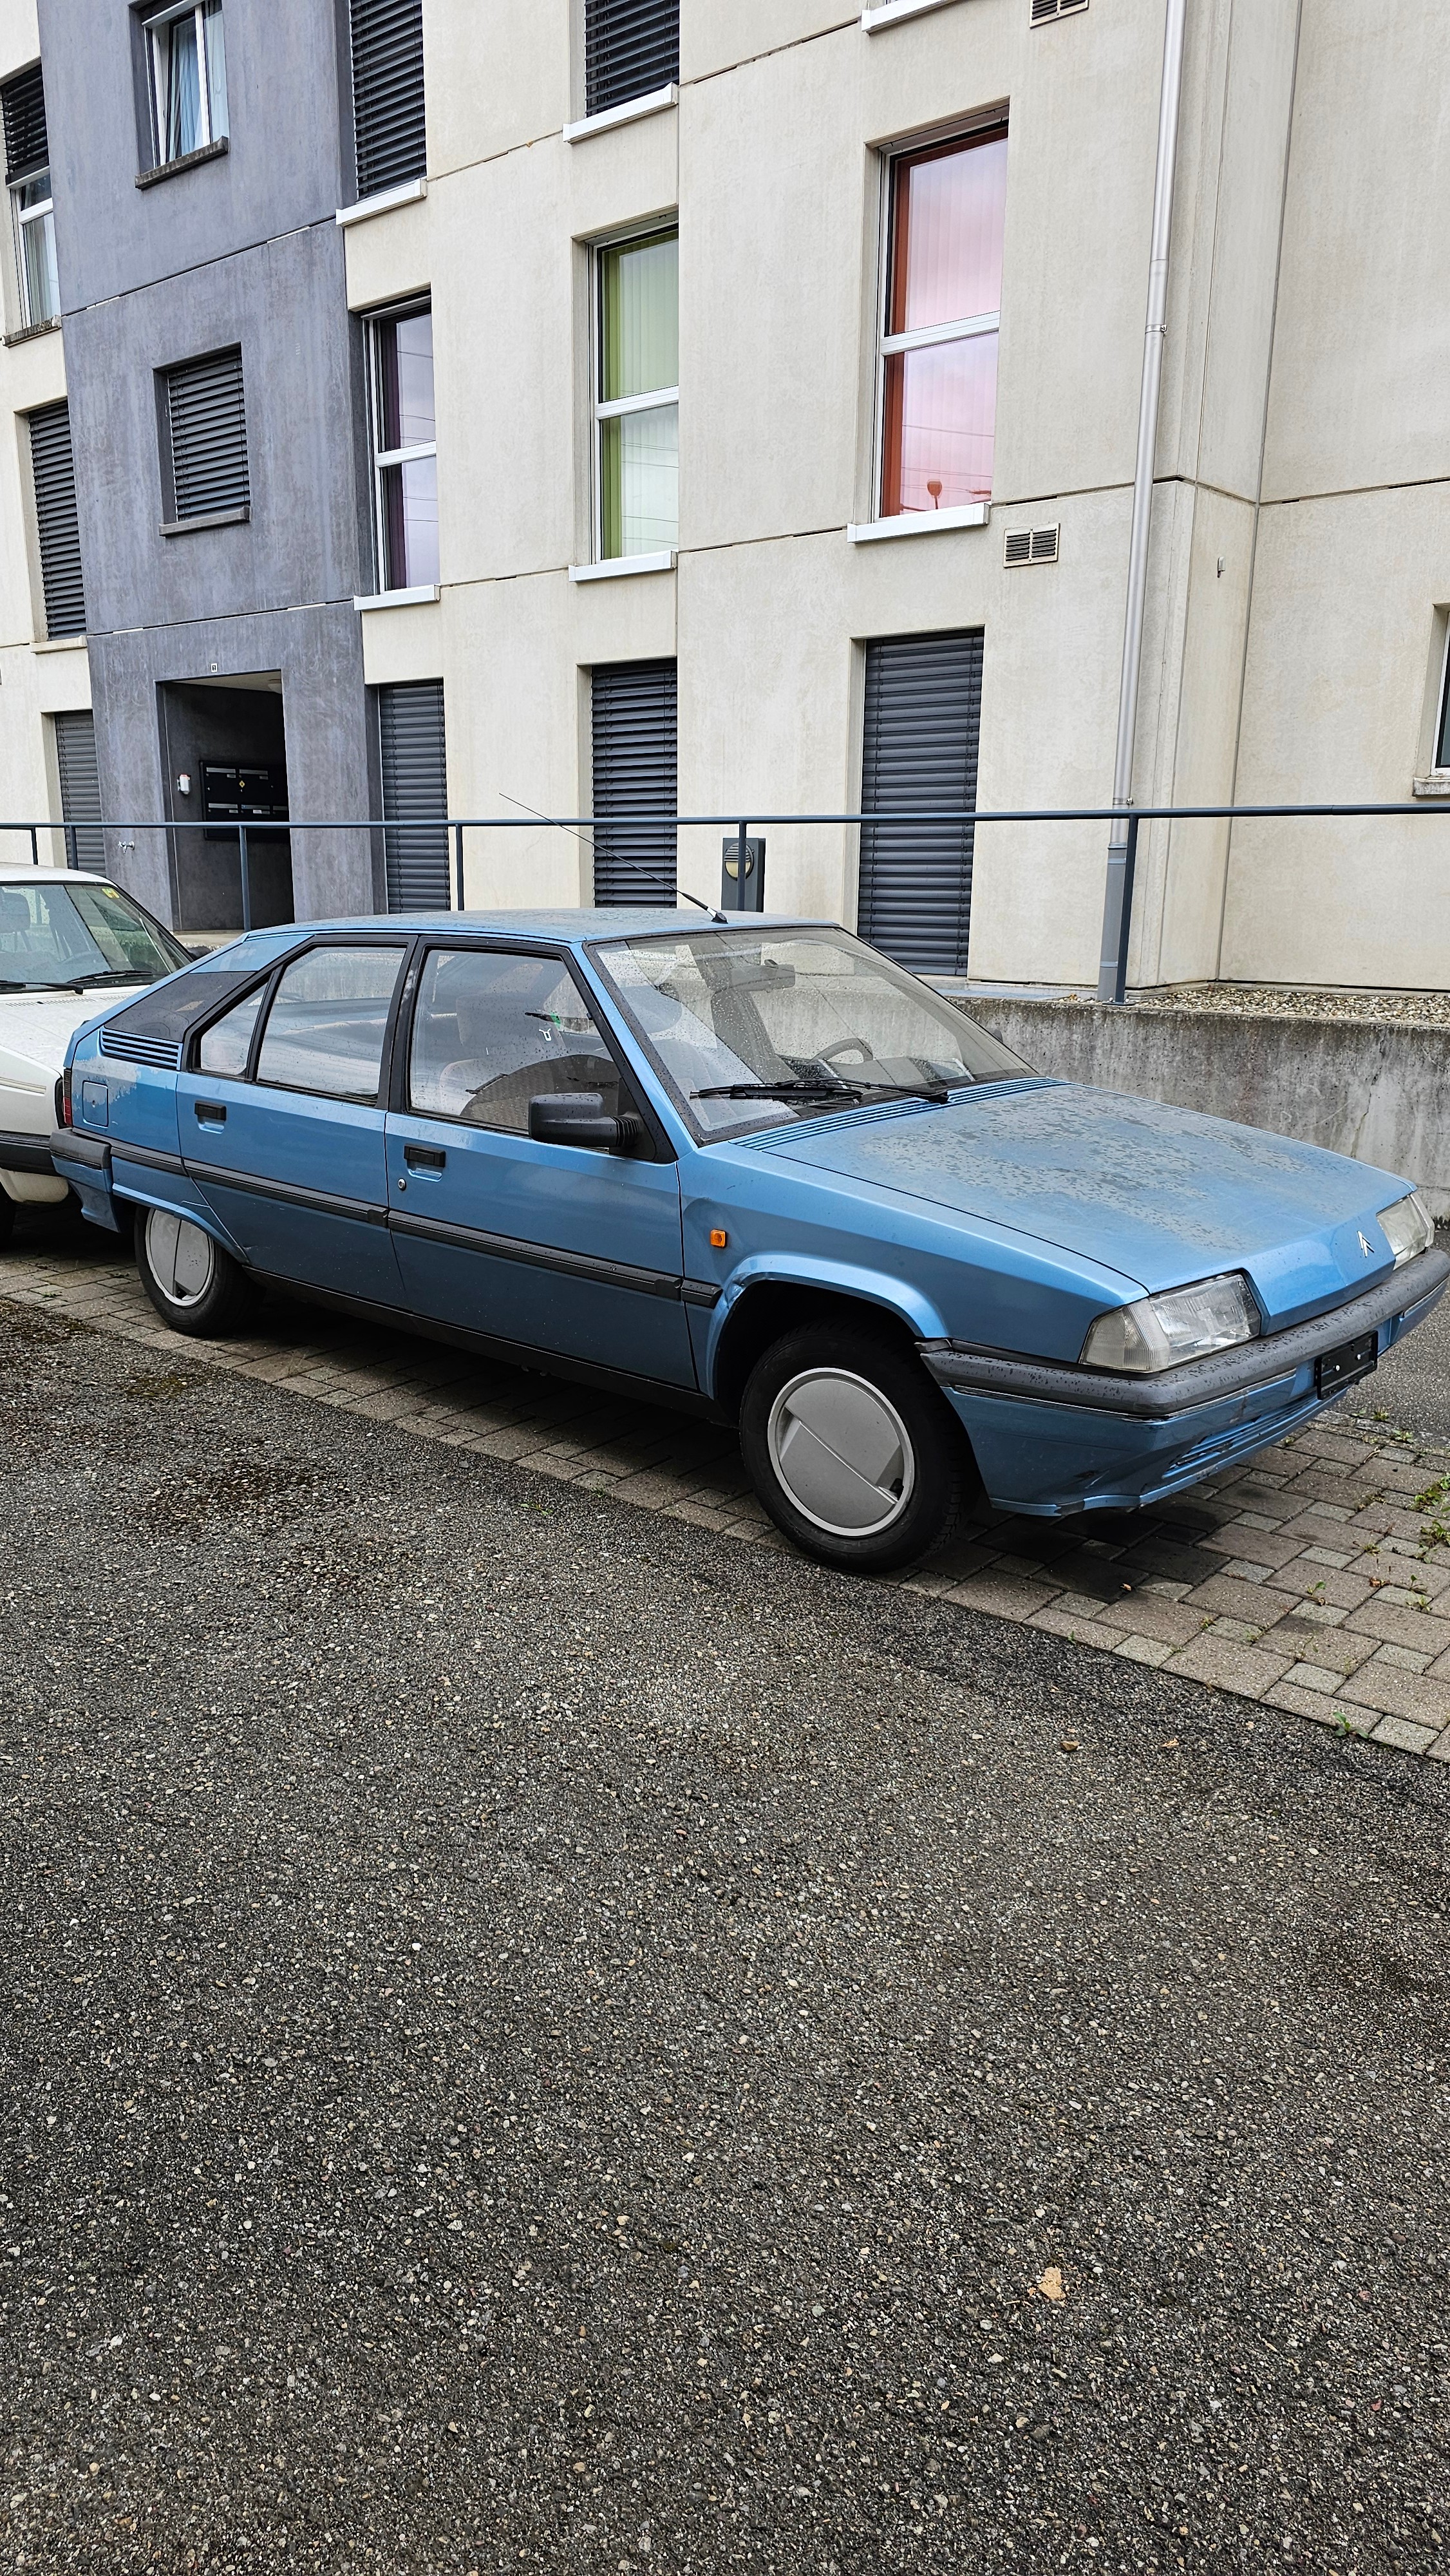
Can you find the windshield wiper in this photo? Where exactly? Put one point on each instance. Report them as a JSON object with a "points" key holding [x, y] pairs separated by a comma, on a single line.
{"points": [[13, 984], [796, 1090]]}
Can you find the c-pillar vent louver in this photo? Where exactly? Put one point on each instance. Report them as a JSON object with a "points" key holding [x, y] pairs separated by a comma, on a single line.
{"points": [[1045, 10], [1030, 546]]}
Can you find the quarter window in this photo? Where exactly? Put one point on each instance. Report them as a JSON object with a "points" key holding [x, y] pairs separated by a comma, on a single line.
{"points": [[328, 1021], [27, 176], [942, 311], [494, 1030], [187, 62], [637, 400], [227, 1044], [405, 448]]}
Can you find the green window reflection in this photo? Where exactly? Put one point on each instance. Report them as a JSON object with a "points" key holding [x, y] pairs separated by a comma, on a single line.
{"points": [[638, 401]]}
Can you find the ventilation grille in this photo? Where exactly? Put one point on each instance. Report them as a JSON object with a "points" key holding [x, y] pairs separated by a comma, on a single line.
{"points": [[923, 714], [630, 48], [1031, 546], [389, 125], [635, 772], [53, 475], [415, 784], [22, 101], [141, 1050], [1043, 10], [80, 787]]}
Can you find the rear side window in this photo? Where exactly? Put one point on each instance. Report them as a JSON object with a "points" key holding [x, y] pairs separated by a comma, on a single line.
{"points": [[328, 1020], [227, 1043], [493, 1031]]}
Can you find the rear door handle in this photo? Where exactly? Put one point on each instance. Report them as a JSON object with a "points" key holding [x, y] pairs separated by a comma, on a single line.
{"points": [[210, 1113], [424, 1158]]}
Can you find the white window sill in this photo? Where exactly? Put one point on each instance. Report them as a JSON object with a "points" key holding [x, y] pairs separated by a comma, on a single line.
{"points": [[920, 523], [620, 567], [629, 111], [383, 203], [886, 15], [418, 597], [1436, 785], [59, 644]]}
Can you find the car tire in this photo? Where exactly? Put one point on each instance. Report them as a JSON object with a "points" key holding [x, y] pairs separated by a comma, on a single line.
{"points": [[894, 1477], [192, 1283], [7, 1218]]}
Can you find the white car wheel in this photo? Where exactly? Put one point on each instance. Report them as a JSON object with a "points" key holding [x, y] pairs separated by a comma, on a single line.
{"points": [[182, 1257], [841, 1452]]}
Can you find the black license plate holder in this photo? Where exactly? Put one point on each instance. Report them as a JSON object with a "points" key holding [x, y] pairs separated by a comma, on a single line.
{"points": [[1337, 1369]]}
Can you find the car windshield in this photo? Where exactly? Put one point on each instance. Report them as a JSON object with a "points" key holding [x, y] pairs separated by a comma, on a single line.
{"points": [[53, 936], [757, 1029]]}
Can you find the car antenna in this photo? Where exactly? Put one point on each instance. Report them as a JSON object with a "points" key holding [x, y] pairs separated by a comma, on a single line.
{"points": [[551, 819], [683, 895]]}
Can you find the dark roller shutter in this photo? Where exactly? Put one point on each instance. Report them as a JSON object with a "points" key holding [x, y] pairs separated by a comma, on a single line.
{"points": [[634, 773], [923, 714], [22, 102], [630, 48], [80, 786], [207, 416], [387, 93], [415, 783], [53, 475]]}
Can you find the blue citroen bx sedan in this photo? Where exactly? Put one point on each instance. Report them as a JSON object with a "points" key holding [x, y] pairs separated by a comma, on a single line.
{"points": [[751, 1168]]}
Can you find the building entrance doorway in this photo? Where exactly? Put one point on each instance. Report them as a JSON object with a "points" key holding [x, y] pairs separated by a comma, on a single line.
{"points": [[224, 760]]}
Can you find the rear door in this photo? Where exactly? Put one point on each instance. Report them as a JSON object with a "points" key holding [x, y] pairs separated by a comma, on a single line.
{"points": [[551, 1247], [282, 1125]]}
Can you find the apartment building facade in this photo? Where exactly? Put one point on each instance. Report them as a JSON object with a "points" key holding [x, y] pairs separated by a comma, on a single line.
{"points": [[639, 407]]}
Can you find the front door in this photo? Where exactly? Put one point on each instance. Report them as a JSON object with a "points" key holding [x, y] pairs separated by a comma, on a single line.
{"points": [[283, 1131], [550, 1247]]}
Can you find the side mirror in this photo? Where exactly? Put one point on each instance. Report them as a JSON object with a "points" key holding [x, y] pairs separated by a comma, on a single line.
{"points": [[578, 1118]]}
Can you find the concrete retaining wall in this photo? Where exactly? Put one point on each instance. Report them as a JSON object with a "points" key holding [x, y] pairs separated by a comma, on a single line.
{"points": [[1370, 1088]]}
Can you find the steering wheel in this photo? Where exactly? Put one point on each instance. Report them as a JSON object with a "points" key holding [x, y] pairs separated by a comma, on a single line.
{"points": [[846, 1046]]}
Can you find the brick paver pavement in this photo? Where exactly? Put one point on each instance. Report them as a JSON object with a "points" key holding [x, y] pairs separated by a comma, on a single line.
{"points": [[1315, 1579]]}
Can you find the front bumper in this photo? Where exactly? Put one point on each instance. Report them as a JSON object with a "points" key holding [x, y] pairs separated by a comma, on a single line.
{"points": [[1050, 1439]]}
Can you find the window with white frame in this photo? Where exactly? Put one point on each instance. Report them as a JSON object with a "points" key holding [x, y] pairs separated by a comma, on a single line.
{"points": [[405, 446], [187, 71], [27, 177], [940, 316], [637, 394]]}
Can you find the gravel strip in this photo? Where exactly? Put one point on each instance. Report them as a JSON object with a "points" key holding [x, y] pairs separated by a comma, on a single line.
{"points": [[538, 2036], [1288, 1002]]}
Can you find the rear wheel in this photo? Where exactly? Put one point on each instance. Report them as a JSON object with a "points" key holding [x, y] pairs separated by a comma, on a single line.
{"points": [[190, 1280], [851, 1449]]}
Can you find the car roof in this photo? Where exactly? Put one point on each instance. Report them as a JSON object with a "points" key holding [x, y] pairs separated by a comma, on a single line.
{"points": [[575, 925], [12, 873]]}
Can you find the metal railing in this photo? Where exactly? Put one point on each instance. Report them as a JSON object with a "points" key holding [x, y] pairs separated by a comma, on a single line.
{"points": [[1123, 861]]}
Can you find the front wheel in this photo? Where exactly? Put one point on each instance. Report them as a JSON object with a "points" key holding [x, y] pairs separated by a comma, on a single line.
{"points": [[192, 1283], [7, 1218], [851, 1449]]}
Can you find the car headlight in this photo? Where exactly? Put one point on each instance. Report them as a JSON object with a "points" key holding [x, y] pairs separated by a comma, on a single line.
{"points": [[1181, 1324], [1409, 1228]]}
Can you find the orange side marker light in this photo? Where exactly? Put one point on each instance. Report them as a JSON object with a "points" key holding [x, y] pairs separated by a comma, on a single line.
{"points": [[718, 1238]]}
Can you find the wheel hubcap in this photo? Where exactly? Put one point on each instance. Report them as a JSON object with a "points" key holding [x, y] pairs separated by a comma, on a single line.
{"points": [[181, 1257], [841, 1453]]}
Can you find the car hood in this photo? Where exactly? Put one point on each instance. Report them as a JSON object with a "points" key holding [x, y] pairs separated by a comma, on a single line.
{"points": [[37, 1028], [1161, 1195]]}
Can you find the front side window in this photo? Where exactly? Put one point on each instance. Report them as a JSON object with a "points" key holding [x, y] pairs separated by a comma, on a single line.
{"points": [[761, 1030], [328, 1021], [405, 448], [83, 933], [27, 176], [188, 72], [942, 310], [637, 401], [494, 1030]]}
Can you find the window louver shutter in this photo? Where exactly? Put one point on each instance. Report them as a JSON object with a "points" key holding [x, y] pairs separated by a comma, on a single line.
{"points": [[387, 93], [923, 716], [207, 414], [53, 475], [415, 783], [27, 146], [630, 48], [80, 786], [635, 772]]}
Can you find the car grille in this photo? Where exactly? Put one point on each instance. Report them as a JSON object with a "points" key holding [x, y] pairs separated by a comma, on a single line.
{"points": [[157, 1051]]}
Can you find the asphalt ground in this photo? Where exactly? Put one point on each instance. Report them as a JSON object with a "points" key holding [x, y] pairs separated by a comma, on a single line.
{"points": [[535, 2037]]}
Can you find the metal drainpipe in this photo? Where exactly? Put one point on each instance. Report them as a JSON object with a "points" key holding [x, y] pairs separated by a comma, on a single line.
{"points": [[1116, 916]]}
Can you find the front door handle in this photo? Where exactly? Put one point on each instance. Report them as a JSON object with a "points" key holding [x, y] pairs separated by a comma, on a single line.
{"points": [[210, 1113], [424, 1158]]}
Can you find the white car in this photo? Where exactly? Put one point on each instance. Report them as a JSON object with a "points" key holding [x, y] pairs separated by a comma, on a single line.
{"points": [[70, 942]]}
